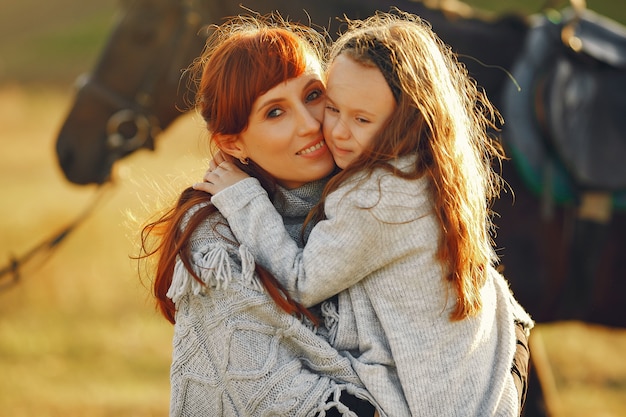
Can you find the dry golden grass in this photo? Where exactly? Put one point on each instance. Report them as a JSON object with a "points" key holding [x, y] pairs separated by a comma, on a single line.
{"points": [[79, 335], [588, 366]]}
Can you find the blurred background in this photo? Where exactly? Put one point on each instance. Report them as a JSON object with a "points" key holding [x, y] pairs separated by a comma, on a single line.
{"points": [[79, 334]]}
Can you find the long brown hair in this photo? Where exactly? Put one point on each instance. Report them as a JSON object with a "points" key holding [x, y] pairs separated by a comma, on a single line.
{"points": [[243, 58], [443, 118]]}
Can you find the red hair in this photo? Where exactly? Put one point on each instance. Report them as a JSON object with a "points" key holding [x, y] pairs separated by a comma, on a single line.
{"points": [[244, 58], [243, 67]]}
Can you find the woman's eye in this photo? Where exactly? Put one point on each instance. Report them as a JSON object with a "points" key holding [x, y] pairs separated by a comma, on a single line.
{"points": [[314, 95], [274, 113]]}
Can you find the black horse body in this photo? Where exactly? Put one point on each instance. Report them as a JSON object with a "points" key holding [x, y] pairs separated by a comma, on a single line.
{"points": [[138, 81]]}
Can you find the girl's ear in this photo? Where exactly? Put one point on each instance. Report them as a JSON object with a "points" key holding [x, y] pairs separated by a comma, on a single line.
{"points": [[231, 145]]}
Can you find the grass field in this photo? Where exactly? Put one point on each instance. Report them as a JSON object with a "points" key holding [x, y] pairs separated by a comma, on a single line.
{"points": [[79, 335]]}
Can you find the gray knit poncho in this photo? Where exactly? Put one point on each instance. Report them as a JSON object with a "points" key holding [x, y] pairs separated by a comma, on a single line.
{"points": [[235, 353]]}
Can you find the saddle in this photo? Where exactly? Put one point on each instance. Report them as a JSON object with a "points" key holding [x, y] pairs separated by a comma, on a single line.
{"points": [[566, 126]]}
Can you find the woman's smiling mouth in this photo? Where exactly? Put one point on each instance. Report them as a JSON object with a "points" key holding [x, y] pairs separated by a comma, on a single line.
{"points": [[313, 148]]}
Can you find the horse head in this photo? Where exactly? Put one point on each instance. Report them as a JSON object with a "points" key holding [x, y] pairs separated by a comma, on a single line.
{"points": [[134, 90]]}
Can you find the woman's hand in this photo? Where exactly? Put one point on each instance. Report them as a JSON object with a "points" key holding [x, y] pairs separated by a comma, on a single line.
{"points": [[222, 173]]}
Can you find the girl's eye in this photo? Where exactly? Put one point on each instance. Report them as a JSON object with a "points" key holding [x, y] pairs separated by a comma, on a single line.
{"points": [[331, 109], [314, 95], [275, 112], [362, 120]]}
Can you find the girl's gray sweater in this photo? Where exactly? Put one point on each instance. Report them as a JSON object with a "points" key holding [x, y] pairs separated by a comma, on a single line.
{"points": [[377, 250], [235, 353]]}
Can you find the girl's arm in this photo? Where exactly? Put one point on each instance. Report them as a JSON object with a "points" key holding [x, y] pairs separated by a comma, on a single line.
{"points": [[340, 251]]}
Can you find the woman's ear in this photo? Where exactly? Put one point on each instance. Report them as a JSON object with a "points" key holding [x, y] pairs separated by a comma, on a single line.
{"points": [[231, 145]]}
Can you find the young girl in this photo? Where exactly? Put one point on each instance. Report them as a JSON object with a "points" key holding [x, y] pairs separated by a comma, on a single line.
{"points": [[240, 347], [403, 232]]}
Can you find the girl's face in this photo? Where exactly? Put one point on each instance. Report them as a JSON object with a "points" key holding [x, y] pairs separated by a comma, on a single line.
{"points": [[284, 133], [358, 104]]}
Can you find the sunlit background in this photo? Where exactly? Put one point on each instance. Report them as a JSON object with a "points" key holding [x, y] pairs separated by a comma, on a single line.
{"points": [[79, 334]]}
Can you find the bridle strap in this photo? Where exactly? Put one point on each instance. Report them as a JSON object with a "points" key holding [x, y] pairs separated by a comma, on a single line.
{"points": [[12, 273], [138, 109], [87, 84]]}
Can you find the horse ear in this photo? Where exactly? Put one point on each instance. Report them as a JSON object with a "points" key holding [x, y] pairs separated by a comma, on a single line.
{"points": [[230, 144]]}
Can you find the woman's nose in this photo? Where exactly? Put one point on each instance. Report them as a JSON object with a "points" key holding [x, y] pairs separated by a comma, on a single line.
{"points": [[308, 123]]}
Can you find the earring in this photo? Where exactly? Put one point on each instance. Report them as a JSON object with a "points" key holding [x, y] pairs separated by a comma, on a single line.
{"points": [[244, 160]]}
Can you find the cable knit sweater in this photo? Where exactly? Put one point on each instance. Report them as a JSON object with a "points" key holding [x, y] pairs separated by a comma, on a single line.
{"points": [[235, 353], [377, 250]]}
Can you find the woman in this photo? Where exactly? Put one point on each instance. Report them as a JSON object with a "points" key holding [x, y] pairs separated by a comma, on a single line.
{"points": [[241, 345]]}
